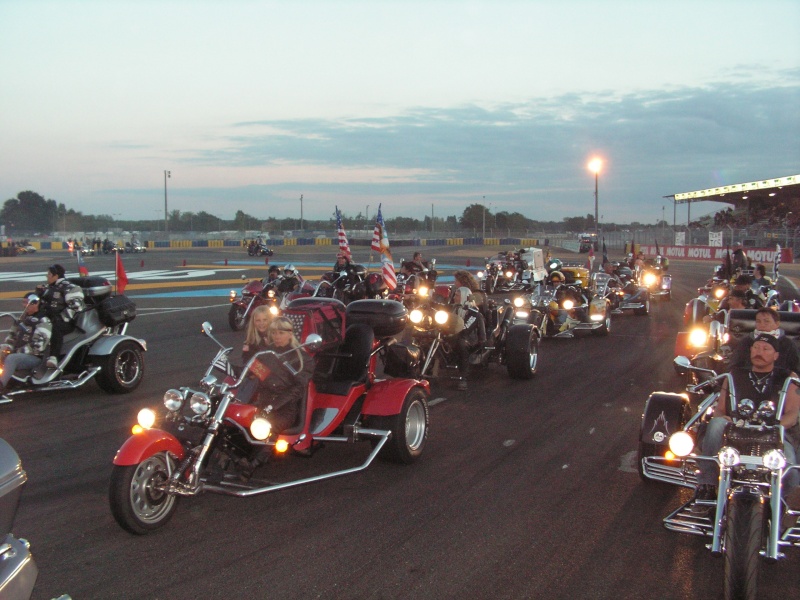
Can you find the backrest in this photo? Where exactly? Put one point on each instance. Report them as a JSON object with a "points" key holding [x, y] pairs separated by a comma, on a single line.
{"points": [[358, 342], [790, 323]]}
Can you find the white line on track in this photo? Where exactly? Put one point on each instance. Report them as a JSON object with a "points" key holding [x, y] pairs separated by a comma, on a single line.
{"points": [[436, 401], [161, 311]]}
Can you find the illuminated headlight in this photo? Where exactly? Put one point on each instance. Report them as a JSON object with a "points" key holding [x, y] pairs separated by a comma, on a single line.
{"points": [[200, 403], [728, 457], [232, 295], [509, 274], [766, 410], [270, 293], [422, 291], [441, 317], [719, 293], [597, 317], [568, 304], [698, 337], [519, 301], [650, 279], [146, 418], [274, 310], [416, 316], [173, 400], [774, 460], [523, 314], [746, 407], [260, 428], [480, 274], [681, 443], [725, 338]]}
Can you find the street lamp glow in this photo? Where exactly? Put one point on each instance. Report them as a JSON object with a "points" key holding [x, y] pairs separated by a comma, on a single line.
{"points": [[595, 165]]}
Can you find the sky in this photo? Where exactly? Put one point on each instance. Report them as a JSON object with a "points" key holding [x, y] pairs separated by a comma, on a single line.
{"points": [[416, 105]]}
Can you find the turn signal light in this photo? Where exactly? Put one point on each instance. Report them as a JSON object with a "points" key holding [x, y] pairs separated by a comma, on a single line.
{"points": [[281, 446]]}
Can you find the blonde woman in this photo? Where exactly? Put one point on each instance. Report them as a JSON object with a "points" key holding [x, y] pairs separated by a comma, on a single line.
{"points": [[256, 338], [281, 389]]}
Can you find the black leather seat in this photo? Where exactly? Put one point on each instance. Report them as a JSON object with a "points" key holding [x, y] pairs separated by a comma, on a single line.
{"points": [[348, 365]]}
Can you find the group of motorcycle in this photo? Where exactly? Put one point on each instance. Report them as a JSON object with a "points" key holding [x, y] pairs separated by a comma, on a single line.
{"points": [[749, 521]]}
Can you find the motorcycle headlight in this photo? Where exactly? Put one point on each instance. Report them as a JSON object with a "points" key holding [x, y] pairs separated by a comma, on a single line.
{"points": [[766, 410], [745, 407], [681, 443], [173, 400], [719, 293], [728, 457], [774, 460], [596, 317], [416, 316], [422, 291], [441, 317], [523, 314], [199, 403], [509, 274], [146, 418], [519, 302], [232, 295], [650, 279], [480, 274], [568, 304], [274, 310], [260, 428], [698, 337], [270, 293]]}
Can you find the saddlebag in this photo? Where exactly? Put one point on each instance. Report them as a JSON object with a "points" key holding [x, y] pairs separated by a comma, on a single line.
{"points": [[116, 311], [664, 414], [402, 361]]}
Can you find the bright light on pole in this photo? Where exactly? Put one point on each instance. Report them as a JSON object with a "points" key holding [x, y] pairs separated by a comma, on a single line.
{"points": [[594, 166]]}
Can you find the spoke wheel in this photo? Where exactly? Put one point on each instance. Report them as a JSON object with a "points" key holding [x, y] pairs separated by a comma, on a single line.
{"points": [[137, 497]]}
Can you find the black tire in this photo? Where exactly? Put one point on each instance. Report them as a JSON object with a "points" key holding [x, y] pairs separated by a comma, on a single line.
{"points": [[490, 285], [743, 536], [121, 371], [646, 310], [522, 351], [644, 451], [605, 328], [135, 502], [236, 318], [409, 429]]}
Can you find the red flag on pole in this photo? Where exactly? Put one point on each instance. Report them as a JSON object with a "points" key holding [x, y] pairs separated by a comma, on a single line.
{"points": [[82, 270], [122, 278]]}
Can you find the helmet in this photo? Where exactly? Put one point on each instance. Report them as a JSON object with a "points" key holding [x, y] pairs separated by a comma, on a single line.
{"points": [[554, 265], [274, 269], [289, 270], [557, 277]]}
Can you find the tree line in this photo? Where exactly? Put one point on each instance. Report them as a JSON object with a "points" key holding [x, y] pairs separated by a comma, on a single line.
{"points": [[29, 213]]}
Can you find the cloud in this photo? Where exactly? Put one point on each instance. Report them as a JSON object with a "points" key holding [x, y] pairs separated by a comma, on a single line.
{"points": [[523, 157]]}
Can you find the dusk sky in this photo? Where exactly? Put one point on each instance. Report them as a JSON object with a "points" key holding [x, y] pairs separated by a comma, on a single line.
{"points": [[251, 104]]}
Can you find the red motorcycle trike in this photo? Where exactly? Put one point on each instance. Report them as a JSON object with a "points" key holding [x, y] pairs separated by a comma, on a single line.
{"points": [[206, 434]]}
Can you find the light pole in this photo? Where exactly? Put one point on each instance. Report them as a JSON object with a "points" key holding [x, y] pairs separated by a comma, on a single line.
{"points": [[167, 174], [367, 217], [301, 212], [594, 166]]}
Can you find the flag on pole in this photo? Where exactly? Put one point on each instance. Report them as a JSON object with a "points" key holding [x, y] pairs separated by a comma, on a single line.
{"points": [[658, 252], [122, 278], [387, 263], [775, 264], [82, 270], [344, 246]]}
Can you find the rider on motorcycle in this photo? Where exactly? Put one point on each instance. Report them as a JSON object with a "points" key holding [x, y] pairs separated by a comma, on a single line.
{"points": [[760, 382], [60, 301], [25, 346], [291, 279], [473, 330]]}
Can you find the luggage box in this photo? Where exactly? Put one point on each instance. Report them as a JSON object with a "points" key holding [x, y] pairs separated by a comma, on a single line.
{"points": [[12, 477], [116, 311], [385, 317], [93, 287]]}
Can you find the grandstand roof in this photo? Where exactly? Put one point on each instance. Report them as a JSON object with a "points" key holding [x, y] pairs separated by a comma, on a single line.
{"points": [[782, 189]]}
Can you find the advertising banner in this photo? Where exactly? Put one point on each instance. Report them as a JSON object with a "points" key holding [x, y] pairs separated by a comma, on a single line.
{"points": [[715, 239]]}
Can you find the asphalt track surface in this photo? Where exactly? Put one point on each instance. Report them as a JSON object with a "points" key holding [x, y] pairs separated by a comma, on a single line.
{"points": [[525, 489]]}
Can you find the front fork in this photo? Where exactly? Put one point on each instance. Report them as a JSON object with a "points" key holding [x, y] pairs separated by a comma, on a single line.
{"points": [[437, 341]]}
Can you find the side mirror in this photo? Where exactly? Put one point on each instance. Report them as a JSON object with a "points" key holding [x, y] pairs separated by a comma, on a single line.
{"points": [[243, 277], [682, 364], [433, 262], [206, 328], [313, 341]]}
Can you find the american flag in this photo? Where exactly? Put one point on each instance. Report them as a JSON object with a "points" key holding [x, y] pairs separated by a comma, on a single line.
{"points": [[82, 270], [776, 263], [380, 243], [344, 246]]}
